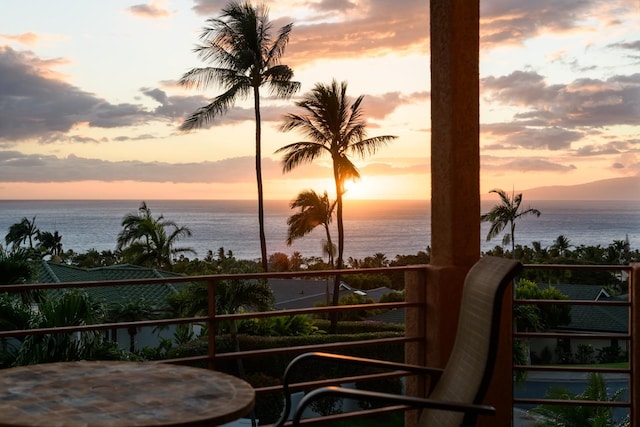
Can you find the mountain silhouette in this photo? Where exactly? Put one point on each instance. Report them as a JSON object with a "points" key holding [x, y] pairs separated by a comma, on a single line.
{"points": [[627, 188]]}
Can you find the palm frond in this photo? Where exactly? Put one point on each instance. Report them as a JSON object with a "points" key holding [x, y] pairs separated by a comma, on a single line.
{"points": [[300, 153]]}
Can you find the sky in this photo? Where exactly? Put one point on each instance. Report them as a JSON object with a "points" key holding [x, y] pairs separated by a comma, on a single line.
{"points": [[90, 106]]}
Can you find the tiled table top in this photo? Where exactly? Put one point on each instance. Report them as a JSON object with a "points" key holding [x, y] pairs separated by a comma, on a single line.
{"points": [[84, 394]]}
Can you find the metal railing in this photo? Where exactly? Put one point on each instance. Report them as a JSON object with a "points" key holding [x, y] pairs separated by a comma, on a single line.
{"points": [[213, 358], [414, 337], [570, 378]]}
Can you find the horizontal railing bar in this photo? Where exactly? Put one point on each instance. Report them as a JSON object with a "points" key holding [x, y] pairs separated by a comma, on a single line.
{"points": [[101, 326], [560, 402], [577, 267], [571, 302], [315, 310], [213, 277], [617, 336], [338, 345], [334, 381], [569, 368]]}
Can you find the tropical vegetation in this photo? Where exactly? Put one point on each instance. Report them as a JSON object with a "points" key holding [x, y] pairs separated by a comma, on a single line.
{"points": [[244, 56], [335, 126], [314, 210], [149, 241], [582, 416], [506, 214]]}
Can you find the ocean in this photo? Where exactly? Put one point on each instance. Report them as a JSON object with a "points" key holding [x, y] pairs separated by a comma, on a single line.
{"points": [[389, 227]]}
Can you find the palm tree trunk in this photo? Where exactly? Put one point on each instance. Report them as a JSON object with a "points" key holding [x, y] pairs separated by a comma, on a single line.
{"points": [[330, 244], [263, 239], [336, 283]]}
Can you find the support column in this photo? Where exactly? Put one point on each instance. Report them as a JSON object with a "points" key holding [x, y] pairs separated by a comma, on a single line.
{"points": [[455, 184], [455, 165]]}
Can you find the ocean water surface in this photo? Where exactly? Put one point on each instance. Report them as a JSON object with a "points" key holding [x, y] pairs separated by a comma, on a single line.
{"points": [[388, 227]]}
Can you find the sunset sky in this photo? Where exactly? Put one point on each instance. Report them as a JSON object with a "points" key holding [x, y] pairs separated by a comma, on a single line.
{"points": [[89, 106]]}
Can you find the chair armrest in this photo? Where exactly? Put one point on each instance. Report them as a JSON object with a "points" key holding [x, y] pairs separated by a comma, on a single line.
{"points": [[387, 398], [338, 358]]}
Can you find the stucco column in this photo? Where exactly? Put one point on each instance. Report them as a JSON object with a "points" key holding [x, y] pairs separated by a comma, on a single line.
{"points": [[455, 187], [455, 133], [455, 164]]}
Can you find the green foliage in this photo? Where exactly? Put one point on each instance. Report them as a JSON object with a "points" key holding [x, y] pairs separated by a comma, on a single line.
{"points": [[368, 281], [353, 315], [298, 325], [581, 416], [393, 297], [584, 354], [72, 308], [16, 268], [537, 318], [611, 354]]}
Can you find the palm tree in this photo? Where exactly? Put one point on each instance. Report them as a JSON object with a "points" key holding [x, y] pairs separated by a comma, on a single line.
{"points": [[129, 311], [335, 127], [506, 213], [246, 57], [22, 232], [16, 268], [50, 243], [144, 239], [315, 210], [561, 245]]}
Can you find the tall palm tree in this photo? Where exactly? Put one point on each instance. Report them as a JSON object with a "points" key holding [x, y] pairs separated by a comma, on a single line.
{"points": [[335, 126], [315, 210], [506, 213], [145, 240], [22, 232], [245, 56]]}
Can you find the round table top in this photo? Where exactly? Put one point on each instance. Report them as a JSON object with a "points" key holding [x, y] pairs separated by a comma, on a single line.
{"points": [[75, 394]]}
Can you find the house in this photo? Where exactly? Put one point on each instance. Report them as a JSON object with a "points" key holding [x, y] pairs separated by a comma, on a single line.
{"points": [[587, 319], [154, 295], [292, 294]]}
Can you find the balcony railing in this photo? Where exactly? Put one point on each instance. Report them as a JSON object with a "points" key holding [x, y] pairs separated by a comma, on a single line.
{"points": [[413, 341]]}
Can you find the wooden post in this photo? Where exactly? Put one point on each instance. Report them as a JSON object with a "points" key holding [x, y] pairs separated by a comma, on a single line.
{"points": [[455, 186], [415, 326], [211, 331], [634, 329]]}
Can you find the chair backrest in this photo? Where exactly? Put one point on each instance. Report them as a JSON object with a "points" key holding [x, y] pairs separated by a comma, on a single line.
{"points": [[468, 371]]}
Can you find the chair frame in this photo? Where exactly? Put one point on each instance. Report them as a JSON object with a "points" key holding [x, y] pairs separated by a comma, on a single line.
{"points": [[470, 410]]}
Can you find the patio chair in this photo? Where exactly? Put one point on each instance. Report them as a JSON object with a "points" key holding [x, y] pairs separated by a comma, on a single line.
{"points": [[455, 392]]}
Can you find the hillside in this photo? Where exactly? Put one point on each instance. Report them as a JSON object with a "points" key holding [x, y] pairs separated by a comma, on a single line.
{"points": [[606, 189]]}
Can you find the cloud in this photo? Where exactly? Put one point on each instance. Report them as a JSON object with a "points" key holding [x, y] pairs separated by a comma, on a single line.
{"points": [[633, 46], [529, 164], [506, 22], [36, 105], [19, 167], [515, 135], [153, 10], [583, 102], [28, 38]]}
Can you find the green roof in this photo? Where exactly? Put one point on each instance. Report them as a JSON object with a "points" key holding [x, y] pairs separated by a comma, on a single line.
{"points": [[152, 294]]}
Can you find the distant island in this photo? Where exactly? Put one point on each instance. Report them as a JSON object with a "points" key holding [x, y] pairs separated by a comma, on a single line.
{"points": [[607, 189]]}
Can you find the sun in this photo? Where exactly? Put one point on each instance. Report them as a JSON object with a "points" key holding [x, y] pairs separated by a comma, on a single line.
{"points": [[366, 188]]}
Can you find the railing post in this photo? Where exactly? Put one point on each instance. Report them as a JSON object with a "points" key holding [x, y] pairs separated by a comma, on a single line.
{"points": [[211, 329], [634, 329], [415, 282]]}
